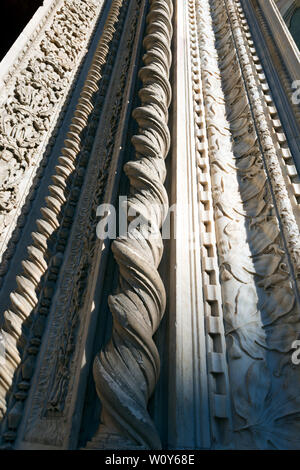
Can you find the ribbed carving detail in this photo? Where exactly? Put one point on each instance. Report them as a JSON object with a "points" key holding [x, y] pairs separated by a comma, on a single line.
{"points": [[24, 299], [127, 370]]}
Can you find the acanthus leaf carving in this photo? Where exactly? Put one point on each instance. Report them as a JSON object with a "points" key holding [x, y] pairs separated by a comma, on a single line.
{"points": [[258, 285]]}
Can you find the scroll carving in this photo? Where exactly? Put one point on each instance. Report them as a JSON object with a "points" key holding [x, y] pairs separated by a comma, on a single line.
{"points": [[289, 225], [126, 371]]}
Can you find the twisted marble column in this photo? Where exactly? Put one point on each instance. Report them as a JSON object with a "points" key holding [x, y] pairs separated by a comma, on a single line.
{"points": [[127, 370]]}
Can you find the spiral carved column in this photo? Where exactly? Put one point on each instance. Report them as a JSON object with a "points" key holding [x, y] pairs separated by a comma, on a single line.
{"points": [[127, 370]]}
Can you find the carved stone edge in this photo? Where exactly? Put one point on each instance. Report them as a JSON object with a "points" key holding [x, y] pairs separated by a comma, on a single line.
{"points": [[284, 206], [24, 299], [36, 426], [277, 130], [127, 369], [14, 229], [218, 119], [188, 359], [264, 15], [216, 352], [283, 38], [16, 54]]}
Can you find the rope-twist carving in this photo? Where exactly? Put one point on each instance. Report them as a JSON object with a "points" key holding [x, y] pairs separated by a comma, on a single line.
{"points": [[127, 370]]}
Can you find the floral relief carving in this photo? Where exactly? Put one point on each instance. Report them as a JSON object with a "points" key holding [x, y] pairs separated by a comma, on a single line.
{"points": [[35, 96], [249, 252], [258, 288], [270, 422], [126, 370]]}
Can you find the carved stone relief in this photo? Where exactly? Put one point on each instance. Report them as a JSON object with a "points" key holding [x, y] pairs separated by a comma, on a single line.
{"points": [[258, 288], [219, 390], [246, 264], [71, 267], [25, 321], [34, 95]]}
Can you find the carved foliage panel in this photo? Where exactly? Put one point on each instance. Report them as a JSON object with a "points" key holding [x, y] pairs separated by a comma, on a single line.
{"points": [[258, 288], [34, 95]]}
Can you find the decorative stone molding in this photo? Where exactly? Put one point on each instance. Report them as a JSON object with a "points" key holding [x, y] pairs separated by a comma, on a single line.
{"points": [[197, 356], [281, 113], [272, 166], [287, 8], [35, 88], [32, 301], [255, 271], [13, 59], [282, 37], [126, 371], [49, 423], [219, 391], [228, 278], [282, 48]]}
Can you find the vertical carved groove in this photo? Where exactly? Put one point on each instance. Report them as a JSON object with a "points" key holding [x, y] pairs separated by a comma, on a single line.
{"points": [[24, 300], [127, 370]]}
